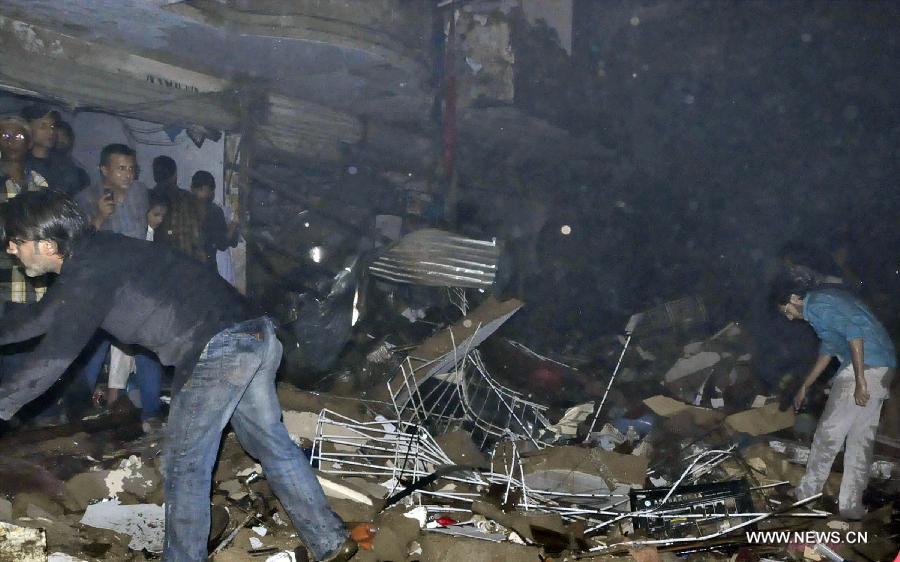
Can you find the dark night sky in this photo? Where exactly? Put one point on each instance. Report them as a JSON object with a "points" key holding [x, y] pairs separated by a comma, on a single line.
{"points": [[741, 126], [734, 128]]}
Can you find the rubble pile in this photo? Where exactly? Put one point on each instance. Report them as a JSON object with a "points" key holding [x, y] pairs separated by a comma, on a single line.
{"points": [[674, 451]]}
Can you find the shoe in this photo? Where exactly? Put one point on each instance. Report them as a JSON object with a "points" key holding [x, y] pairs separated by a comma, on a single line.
{"points": [[344, 552]]}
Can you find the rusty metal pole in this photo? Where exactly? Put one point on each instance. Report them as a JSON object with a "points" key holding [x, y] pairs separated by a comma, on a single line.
{"points": [[253, 112]]}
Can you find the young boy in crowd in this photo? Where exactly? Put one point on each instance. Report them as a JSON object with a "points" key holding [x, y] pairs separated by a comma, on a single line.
{"points": [[215, 234]]}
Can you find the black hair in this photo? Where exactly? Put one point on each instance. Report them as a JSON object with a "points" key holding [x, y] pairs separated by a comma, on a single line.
{"points": [[65, 126], [202, 178], [164, 168], [158, 199], [39, 111], [44, 215], [115, 148], [783, 286]]}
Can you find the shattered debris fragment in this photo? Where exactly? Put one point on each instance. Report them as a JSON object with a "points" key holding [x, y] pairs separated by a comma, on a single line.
{"points": [[761, 421], [144, 523], [22, 544]]}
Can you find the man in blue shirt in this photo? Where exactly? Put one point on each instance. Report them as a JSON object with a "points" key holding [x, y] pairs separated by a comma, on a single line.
{"points": [[847, 330]]}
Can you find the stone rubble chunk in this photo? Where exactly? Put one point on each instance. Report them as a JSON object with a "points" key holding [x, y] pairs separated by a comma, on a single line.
{"points": [[88, 487], [22, 544], [6, 510]]}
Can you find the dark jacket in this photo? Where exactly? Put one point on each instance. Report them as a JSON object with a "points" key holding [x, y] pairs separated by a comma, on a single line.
{"points": [[141, 293]]}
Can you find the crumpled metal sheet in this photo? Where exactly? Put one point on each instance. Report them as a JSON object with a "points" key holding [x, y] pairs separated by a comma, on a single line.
{"points": [[439, 259]]}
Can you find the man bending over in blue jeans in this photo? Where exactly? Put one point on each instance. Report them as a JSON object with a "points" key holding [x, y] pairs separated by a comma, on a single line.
{"points": [[225, 357]]}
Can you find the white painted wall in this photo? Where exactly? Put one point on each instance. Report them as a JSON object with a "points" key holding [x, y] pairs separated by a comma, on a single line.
{"points": [[93, 131]]}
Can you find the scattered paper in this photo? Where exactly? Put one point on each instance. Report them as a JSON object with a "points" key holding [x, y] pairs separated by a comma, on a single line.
{"points": [[420, 514]]}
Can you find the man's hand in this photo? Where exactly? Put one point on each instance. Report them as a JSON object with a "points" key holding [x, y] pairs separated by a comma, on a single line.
{"points": [[861, 394], [105, 207], [799, 398]]}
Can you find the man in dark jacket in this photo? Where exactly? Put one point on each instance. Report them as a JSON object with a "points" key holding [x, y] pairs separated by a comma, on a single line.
{"points": [[61, 173], [225, 356]]}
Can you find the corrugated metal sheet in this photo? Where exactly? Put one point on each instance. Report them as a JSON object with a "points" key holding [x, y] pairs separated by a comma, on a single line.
{"points": [[440, 259], [81, 74]]}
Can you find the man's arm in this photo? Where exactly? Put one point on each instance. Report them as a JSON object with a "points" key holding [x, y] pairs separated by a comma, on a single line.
{"points": [[857, 350], [23, 321], [817, 369], [222, 235], [96, 209], [43, 367], [70, 323]]}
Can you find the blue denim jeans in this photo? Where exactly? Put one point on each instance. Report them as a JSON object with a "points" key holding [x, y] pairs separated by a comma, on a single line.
{"points": [[234, 380], [147, 374]]}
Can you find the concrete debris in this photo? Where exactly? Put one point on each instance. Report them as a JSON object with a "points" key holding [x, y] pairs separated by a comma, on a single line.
{"points": [[343, 491], [608, 438], [6, 510], [645, 554], [761, 421], [614, 468], [61, 557], [567, 426], [22, 544], [668, 407], [473, 546], [461, 449], [143, 523], [455, 461], [88, 487]]}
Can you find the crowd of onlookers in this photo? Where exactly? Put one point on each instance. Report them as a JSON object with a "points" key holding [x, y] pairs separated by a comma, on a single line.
{"points": [[36, 153]]}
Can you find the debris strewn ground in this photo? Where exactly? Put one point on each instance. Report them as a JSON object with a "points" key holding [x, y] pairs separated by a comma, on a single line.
{"points": [[451, 458]]}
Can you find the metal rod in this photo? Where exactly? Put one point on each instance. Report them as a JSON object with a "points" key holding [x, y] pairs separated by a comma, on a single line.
{"points": [[608, 386]]}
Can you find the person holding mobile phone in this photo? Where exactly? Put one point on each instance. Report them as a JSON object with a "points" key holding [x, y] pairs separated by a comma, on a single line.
{"points": [[118, 204]]}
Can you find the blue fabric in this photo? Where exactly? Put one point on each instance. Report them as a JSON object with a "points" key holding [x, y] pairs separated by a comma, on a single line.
{"points": [[234, 380], [838, 317], [147, 375]]}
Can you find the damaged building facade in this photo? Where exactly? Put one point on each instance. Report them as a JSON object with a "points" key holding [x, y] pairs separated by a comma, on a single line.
{"points": [[517, 253]]}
